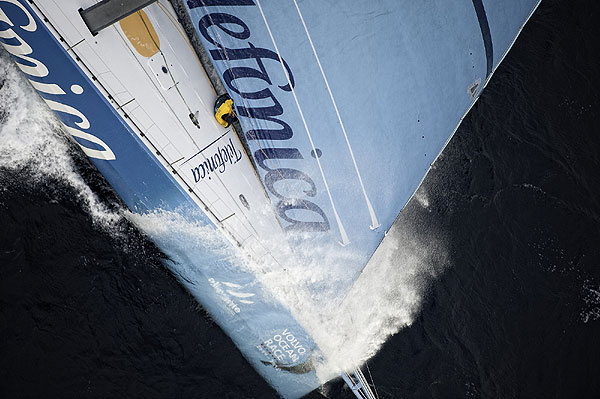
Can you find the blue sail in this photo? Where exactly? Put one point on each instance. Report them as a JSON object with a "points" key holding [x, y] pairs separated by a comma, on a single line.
{"points": [[345, 106]]}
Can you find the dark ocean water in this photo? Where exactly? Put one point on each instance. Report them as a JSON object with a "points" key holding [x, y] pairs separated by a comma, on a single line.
{"points": [[89, 311]]}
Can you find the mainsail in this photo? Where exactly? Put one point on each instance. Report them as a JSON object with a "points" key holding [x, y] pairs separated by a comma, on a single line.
{"points": [[343, 108]]}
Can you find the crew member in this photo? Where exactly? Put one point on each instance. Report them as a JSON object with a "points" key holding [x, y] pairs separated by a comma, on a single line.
{"points": [[224, 112]]}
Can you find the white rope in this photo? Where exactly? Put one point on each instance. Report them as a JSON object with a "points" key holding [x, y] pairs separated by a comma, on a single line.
{"points": [[345, 239], [372, 380], [374, 222]]}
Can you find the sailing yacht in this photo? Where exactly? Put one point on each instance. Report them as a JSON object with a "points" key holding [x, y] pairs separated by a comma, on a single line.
{"points": [[342, 109]]}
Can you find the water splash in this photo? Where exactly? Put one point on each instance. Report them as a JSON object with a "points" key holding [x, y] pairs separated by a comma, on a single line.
{"points": [[591, 299], [33, 143], [384, 299], [349, 327]]}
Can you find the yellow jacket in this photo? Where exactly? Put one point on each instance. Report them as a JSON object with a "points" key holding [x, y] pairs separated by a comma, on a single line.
{"points": [[224, 110]]}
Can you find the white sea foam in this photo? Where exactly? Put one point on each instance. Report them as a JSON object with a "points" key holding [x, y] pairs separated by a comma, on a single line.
{"points": [[349, 327], [32, 142], [591, 299], [385, 298]]}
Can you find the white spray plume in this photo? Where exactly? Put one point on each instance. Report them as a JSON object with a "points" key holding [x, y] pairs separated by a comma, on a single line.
{"points": [[32, 142]]}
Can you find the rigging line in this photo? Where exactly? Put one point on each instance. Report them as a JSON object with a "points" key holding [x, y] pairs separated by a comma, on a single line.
{"points": [[357, 369], [214, 141], [374, 222], [177, 26], [371, 377], [345, 240], [358, 372]]}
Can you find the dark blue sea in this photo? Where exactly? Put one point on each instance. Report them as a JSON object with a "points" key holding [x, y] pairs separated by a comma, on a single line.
{"points": [[87, 310]]}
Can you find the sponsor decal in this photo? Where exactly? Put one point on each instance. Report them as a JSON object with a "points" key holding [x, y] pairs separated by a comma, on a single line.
{"points": [[286, 351], [247, 62], [37, 73], [231, 295], [217, 163]]}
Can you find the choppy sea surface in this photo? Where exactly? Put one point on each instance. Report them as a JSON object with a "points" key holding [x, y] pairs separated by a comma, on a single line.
{"points": [[492, 280]]}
